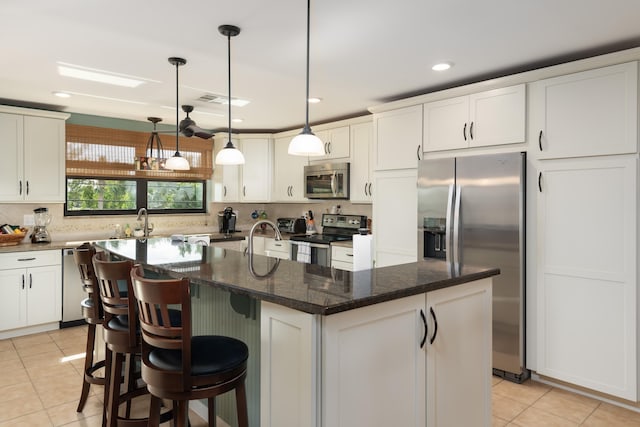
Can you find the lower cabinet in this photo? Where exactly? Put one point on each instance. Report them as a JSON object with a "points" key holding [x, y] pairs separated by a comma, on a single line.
{"points": [[30, 290], [342, 257], [414, 361], [587, 255]]}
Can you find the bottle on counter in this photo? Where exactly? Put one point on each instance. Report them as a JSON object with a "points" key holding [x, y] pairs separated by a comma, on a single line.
{"points": [[127, 231]]}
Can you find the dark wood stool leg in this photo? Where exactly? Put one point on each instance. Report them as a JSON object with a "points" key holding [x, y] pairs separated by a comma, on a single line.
{"points": [[88, 363], [108, 360], [212, 412], [241, 405], [115, 375], [154, 412]]}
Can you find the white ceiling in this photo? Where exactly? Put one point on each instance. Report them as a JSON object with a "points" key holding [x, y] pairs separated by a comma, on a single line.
{"points": [[363, 52]]}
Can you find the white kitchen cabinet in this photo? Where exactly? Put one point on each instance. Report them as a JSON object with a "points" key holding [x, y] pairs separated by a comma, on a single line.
{"points": [[30, 292], [361, 163], [336, 143], [256, 171], [288, 173], [587, 273], [376, 354], [289, 366], [342, 257], [398, 138], [492, 117], [226, 177], [277, 248], [34, 156], [589, 113], [395, 217]]}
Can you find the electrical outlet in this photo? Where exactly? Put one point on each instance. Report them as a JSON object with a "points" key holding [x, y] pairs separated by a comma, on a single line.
{"points": [[28, 220]]}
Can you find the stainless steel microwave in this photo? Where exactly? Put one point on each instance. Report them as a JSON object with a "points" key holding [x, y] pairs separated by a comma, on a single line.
{"points": [[327, 181]]}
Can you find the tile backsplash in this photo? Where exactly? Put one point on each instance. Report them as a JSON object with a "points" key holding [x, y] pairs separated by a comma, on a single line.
{"points": [[102, 226]]}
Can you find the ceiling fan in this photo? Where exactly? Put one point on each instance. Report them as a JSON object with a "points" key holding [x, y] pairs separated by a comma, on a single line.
{"points": [[189, 128]]}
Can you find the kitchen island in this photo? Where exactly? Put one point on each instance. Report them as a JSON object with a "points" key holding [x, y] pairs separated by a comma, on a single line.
{"points": [[399, 345]]}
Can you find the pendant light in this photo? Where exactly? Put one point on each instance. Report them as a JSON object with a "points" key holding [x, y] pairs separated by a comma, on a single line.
{"points": [[229, 155], [177, 162], [307, 143]]}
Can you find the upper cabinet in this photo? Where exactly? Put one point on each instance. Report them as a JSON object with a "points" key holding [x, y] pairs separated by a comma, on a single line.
{"points": [[361, 163], [397, 138], [288, 172], [256, 172], [250, 182], [492, 117], [33, 149], [336, 143], [586, 114]]}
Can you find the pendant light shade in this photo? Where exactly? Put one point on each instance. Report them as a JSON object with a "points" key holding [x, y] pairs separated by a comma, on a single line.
{"points": [[306, 143], [177, 162], [229, 155]]}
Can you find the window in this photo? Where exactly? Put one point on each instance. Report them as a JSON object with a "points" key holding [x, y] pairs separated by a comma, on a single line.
{"points": [[102, 177]]}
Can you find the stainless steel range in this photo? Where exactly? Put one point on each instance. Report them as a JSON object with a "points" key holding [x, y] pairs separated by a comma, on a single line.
{"points": [[316, 248]]}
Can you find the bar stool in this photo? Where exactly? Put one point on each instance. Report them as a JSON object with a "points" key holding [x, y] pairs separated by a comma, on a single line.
{"points": [[177, 366], [93, 315], [122, 338]]}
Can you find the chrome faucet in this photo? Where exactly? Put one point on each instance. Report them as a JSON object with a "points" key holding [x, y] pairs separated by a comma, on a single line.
{"points": [[253, 229], [146, 220]]}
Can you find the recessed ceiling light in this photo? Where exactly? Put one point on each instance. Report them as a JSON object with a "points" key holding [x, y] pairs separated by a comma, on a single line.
{"points": [[237, 120], [61, 94], [106, 98], [442, 66], [100, 76], [314, 100]]}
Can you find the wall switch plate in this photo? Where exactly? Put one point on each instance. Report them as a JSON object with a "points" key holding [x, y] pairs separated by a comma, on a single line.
{"points": [[28, 220]]}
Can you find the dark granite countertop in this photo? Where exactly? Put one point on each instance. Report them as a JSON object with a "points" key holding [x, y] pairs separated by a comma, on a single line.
{"points": [[308, 288]]}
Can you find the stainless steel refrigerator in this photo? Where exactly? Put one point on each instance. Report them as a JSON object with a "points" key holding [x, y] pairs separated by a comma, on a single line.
{"points": [[471, 213]]}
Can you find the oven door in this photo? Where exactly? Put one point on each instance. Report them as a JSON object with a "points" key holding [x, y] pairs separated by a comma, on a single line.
{"points": [[311, 253]]}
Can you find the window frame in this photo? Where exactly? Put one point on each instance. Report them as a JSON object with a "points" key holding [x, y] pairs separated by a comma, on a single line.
{"points": [[141, 198]]}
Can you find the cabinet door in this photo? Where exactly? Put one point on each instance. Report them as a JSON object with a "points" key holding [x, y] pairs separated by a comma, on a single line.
{"points": [[497, 116], [373, 366], [288, 170], [336, 143], [44, 159], [587, 272], [256, 172], [586, 114], [230, 186], [13, 301], [459, 352], [361, 162], [11, 172], [398, 138], [44, 294], [395, 214], [446, 124]]}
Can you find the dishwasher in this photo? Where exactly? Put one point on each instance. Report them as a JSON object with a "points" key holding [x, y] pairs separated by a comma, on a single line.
{"points": [[72, 291]]}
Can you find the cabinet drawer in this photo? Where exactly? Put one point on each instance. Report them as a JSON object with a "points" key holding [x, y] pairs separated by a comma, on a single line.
{"points": [[29, 259], [341, 253], [274, 245]]}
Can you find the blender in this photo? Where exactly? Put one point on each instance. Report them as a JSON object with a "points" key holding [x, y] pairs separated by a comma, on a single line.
{"points": [[41, 219]]}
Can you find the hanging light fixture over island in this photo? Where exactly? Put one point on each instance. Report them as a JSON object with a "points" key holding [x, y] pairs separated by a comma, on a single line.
{"points": [[177, 162]]}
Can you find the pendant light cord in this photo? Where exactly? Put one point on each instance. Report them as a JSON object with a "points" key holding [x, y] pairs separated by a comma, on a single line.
{"points": [[306, 126], [229, 74], [177, 113]]}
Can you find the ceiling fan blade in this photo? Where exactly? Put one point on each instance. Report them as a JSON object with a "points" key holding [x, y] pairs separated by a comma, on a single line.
{"points": [[199, 132]]}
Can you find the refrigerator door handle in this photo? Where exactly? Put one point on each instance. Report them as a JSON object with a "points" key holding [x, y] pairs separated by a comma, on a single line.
{"points": [[448, 225], [456, 229]]}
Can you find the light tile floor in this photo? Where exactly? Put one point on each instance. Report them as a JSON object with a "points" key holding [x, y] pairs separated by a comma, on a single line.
{"points": [[41, 379]]}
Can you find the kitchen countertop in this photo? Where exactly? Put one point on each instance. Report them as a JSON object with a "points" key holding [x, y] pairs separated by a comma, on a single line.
{"points": [[26, 245], [309, 288]]}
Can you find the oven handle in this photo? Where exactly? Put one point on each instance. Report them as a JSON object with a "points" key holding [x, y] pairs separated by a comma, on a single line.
{"points": [[333, 183], [313, 245]]}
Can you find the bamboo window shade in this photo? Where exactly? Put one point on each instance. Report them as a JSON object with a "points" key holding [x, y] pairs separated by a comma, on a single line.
{"points": [[111, 153]]}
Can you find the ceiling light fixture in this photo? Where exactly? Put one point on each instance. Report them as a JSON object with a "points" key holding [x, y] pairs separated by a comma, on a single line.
{"points": [[61, 94], [99, 76], [314, 100], [177, 162], [229, 155], [151, 162], [442, 66], [306, 143]]}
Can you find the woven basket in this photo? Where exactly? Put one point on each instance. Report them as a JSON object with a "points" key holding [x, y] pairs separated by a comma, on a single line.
{"points": [[13, 239]]}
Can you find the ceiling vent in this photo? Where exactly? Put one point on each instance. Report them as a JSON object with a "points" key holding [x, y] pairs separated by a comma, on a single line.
{"points": [[222, 100]]}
